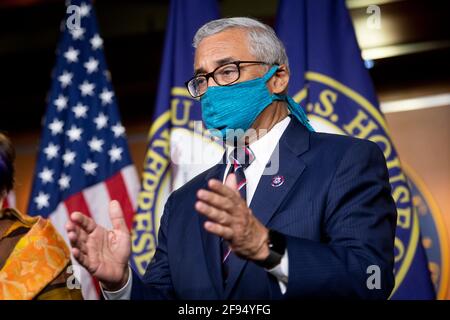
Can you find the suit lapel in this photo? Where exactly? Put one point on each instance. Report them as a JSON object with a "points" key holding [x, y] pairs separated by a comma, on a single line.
{"points": [[211, 242], [270, 193]]}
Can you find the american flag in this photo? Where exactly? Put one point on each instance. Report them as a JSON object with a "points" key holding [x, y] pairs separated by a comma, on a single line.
{"points": [[83, 160]]}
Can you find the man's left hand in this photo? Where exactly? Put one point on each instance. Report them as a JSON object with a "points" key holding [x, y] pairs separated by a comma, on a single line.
{"points": [[231, 218]]}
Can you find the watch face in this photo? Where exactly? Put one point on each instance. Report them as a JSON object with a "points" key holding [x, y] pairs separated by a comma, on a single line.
{"points": [[277, 247], [277, 242]]}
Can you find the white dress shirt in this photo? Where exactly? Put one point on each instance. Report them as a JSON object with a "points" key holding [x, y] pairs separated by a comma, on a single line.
{"points": [[262, 149]]}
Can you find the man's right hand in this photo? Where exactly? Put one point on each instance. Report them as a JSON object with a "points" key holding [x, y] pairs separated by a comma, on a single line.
{"points": [[104, 253]]}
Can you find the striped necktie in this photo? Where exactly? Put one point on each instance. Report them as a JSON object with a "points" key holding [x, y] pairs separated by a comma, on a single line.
{"points": [[240, 158]]}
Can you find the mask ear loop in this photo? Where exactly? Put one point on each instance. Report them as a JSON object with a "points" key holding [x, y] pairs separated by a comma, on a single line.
{"points": [[293, 106], [295, 109], [270, 73], [298, 112]]}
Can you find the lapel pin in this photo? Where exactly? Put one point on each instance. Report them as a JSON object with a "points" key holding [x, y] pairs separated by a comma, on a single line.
{"points": [[277, 181]]}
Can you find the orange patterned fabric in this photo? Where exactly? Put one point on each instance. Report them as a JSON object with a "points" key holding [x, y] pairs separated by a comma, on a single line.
{"points": [[38, 257]]}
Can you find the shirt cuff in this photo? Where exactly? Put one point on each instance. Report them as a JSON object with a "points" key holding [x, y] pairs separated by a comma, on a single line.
{"points": [[122, 294], [281, 272]]}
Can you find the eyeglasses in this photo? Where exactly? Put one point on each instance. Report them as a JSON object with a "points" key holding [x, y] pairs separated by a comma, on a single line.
{"points": [[223, 75]]}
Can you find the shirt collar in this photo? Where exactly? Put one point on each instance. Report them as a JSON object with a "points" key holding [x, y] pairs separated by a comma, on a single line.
{"points": [[263, 147]]}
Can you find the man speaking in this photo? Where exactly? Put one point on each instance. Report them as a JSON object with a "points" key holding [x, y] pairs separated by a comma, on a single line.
{"points": [[321, 225]]}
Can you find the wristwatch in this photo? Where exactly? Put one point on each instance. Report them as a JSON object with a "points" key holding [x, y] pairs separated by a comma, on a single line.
{"points": [[277, 247]]}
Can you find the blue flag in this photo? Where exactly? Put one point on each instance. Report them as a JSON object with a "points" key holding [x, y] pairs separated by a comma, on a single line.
{"points": [[329, 79], [83, 161], [173, 127]]}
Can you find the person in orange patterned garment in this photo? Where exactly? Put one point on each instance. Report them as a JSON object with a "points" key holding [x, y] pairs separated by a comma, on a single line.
{"points": [[33, 256]]}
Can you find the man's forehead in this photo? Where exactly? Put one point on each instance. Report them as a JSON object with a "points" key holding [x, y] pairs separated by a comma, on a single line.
{"points": [[228, 45]]}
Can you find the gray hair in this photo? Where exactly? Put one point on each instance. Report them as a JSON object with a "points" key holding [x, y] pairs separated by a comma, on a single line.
{"points": [[263, 42]]}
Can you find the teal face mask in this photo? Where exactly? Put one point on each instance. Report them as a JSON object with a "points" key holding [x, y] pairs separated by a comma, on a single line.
{"points": [[233, 109]]}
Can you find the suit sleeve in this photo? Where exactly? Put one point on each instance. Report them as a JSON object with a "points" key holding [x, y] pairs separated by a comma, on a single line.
{"points": [[156, 284], [359, 227]]}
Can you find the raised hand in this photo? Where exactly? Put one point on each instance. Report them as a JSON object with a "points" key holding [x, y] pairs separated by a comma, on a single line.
{"points": [[104, 253]]}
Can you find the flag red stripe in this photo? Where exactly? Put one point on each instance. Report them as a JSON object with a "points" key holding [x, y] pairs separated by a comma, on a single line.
{"points": [[76, 202], [117, 190]]}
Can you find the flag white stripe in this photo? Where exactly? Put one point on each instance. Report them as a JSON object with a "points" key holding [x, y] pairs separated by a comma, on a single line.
{"points": [[131, 179], [87, 282], [97, 200]]}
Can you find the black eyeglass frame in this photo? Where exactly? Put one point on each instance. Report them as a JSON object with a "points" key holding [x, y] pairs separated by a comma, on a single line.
{"points": [[211, 74]]}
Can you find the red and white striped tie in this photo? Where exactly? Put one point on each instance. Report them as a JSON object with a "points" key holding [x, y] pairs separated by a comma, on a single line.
{"points": [[240, 159]]}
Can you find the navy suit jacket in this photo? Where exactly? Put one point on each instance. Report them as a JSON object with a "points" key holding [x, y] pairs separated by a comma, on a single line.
{"points": [[334, 207]]}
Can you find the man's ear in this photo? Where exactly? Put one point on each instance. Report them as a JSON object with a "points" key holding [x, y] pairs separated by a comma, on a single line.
{"points": [[279, 81]]}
